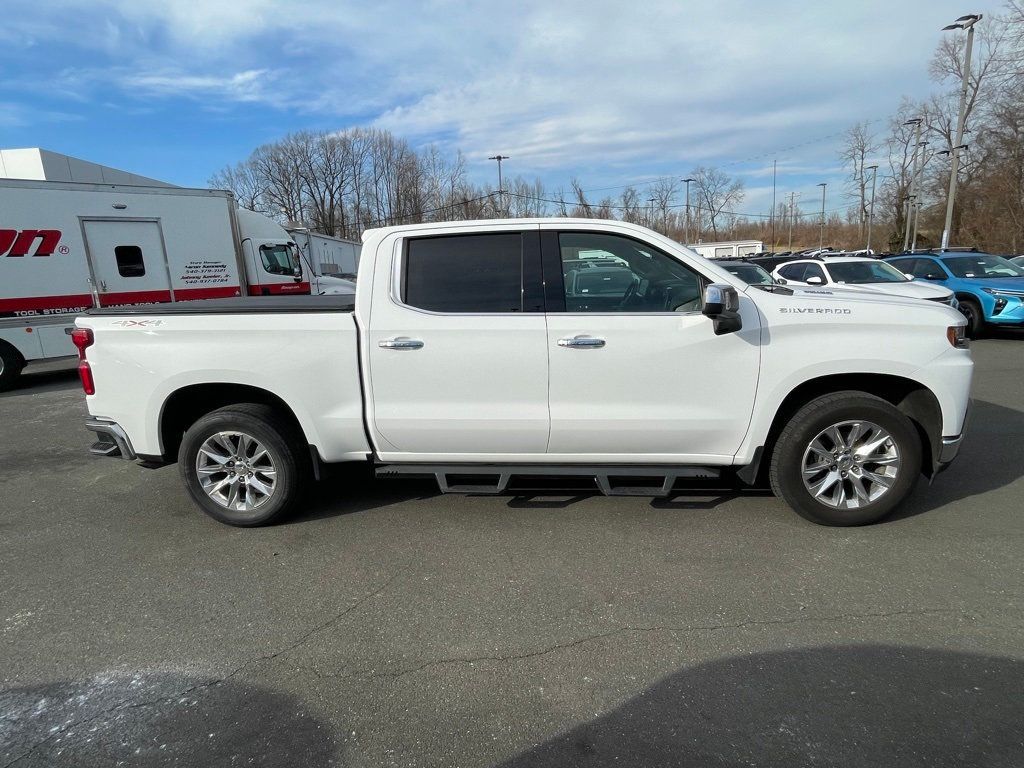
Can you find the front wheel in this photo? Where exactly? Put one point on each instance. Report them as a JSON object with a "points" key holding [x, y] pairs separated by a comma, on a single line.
{"points": [[10, 366], [243, 464], [847, 458], [971, 310]]}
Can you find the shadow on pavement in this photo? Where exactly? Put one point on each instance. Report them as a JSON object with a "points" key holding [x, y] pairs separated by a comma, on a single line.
{"points": [[991, 457], [49, 379], [857, 705], [345, 489], [157, 720]]}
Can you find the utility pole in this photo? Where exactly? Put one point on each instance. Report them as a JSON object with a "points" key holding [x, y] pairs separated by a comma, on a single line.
{"points": [[915, 121], [917, 196], [964, 22], [871, 209], [687, 183], [821, 229], [792, 216], [501, 188]]}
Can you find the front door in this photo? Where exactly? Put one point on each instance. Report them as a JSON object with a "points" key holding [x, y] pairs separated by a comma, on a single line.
{"points": [[128, 262], [637, 373], [457, 349]]}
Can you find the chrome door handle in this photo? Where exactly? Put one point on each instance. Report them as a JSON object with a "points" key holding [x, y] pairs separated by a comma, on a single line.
{"points": [[581, 341], [400, 342]]}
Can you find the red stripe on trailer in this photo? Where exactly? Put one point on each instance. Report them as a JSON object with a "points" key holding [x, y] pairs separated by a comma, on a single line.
{"points": [[41, 303], [276, 289]]}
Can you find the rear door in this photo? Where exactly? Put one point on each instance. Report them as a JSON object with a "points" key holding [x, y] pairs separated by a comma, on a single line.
{"points": [[458, 359], [127, 261]]}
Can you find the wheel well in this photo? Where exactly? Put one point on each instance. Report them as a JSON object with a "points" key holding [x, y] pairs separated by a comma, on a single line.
{"points": [[13, 351], [912, 398], [962, 296], [189, 404]]}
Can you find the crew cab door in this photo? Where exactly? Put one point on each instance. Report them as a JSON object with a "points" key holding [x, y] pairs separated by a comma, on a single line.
{"points": [[457, 347], [637, 372], [127, 261]]}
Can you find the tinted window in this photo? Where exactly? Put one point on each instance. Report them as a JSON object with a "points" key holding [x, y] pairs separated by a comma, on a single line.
{"points": [[465, 273], [129, 261], [793, 271], [853, 272], [982, 265], [814, 270], [750, 273], [926, 269], [609, 273]]}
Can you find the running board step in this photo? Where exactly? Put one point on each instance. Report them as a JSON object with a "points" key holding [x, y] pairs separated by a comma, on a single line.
{"points": [[610, 480]]}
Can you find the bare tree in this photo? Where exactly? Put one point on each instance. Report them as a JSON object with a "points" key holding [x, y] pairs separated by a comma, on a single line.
{"points": [[716, 191], [858, 149]]}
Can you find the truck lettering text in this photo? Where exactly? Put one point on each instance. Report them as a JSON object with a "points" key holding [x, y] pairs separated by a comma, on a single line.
{"points": [[15, 243]]}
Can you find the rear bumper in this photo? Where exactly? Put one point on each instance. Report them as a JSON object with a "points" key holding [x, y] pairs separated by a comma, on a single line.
{"points": [[111, 440]]}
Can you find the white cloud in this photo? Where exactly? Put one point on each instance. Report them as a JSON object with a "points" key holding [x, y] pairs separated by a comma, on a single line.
{"points": [[598, 88]]}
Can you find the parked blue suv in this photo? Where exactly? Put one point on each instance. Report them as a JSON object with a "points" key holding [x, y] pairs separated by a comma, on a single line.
{"points": [[990, 289]]}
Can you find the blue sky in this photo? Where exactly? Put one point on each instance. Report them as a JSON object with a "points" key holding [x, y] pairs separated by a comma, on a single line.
{"points": [[609, 92]]}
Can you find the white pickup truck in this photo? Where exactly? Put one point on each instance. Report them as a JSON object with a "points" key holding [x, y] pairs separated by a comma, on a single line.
{"points": [[486, 353]]}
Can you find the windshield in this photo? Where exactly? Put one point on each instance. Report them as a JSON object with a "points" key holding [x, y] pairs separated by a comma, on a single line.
{"points": [[982, 265], [750, 274], [859, 272], [280, 259]]}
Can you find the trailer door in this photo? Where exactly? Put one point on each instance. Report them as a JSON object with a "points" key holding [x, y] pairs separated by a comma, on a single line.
{"points": [[128, 261]]}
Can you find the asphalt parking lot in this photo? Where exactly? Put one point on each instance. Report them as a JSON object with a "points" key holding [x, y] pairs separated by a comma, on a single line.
{"points": [[389, 625]]}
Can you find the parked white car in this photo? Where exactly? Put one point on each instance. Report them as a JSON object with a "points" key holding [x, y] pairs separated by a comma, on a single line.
{"points": [[479, 352], [861, 273]]}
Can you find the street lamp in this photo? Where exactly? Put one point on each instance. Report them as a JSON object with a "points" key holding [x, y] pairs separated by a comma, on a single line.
{"points": [[964, 22], [650, 211], [687, 183], [501, 188], [917, 192], [821, 229], [915, 121], [871, 209]]}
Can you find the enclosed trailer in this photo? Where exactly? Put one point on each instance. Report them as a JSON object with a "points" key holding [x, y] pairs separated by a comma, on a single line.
{"points": [[68, 246], [326, 255]]}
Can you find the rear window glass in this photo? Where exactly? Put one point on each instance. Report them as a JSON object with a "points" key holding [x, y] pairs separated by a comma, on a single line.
{"points": [[465, 273]]}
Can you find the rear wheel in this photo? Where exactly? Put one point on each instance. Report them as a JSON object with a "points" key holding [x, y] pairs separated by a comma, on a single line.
{"points": [[10, 366], [244, 464], [971, 309], [847, 458]]}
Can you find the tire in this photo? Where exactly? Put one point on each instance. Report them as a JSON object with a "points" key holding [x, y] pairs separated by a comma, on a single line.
{"points": [[273, 456], [884, 475], [971, 309], [11, 364]]}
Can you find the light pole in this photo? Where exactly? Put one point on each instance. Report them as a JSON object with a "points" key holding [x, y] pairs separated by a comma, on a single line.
{"points": [[821, 229], [915, 121], [650, 211], [792, 216], [687, 183], [871, 208], [964, 22], [501, 188], [917, 195]]}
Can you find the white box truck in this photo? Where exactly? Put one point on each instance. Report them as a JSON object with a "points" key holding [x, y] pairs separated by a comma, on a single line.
{"points": [[326, 255], [69, 246]]}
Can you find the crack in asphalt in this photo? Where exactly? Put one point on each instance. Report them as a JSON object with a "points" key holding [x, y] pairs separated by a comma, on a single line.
{"points": [[123, 706], [373, 674]]}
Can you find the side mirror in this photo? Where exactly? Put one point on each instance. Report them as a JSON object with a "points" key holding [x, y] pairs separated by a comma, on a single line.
{"points": [[781, 280], [815, 280], [722, 304], [297, 274], [908, 276]]}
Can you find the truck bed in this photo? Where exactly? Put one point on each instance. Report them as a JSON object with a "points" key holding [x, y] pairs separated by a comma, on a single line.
{"points": [[245, 305]]}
